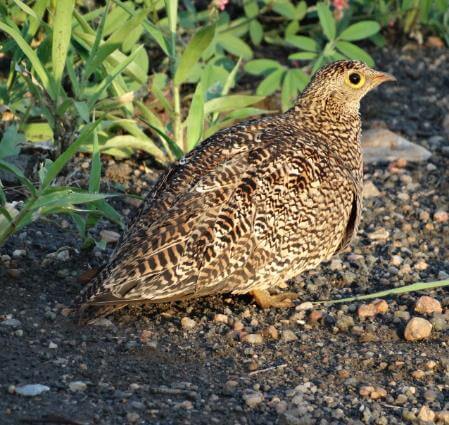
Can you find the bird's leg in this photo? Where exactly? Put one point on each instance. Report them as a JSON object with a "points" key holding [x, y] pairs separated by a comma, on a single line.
{"points": [[264, 300]]}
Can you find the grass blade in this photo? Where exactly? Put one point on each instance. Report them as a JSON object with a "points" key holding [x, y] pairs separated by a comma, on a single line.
{"points": [[95, 170]]}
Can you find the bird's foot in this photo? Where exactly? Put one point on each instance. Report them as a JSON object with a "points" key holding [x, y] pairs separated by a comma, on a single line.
{"points": [[264, 300]]}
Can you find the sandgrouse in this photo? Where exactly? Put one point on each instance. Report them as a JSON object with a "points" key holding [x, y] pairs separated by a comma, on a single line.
{"points": [[252, 206]]}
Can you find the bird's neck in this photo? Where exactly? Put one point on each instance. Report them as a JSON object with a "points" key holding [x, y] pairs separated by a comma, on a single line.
{"points": [[338, 125]]}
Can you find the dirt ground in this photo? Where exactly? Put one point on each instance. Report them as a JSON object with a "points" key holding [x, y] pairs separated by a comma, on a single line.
{"points": [[222, 360]]}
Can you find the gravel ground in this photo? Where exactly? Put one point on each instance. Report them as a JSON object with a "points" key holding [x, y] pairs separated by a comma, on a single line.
{"points": [[222, 360]]}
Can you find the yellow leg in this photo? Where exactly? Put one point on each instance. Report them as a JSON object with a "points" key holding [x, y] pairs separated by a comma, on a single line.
{"points": [[264, 300]]}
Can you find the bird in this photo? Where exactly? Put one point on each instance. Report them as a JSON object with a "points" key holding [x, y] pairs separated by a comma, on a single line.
{"points": [[251, 207]]}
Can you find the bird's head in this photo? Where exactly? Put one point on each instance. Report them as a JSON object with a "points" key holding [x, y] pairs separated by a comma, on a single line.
{"points": [[345, 83]]}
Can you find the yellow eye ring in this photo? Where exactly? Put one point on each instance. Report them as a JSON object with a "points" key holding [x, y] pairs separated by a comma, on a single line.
{"points": [[355, 79]]}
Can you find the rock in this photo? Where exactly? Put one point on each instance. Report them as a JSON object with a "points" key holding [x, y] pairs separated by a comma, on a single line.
{"points": [[77, 386], [370, 190], [304, 306], [417, 328], [434, 41], [230, 387], [271, 332], [132, 417], [17, 253], [421, 265], [379, 234], [31, 390], [431, 365], [12, 323], [396, 260], [188, 323], [426, 414], [372, 392], [288, 336], [253, 399], [221, 318], [441, 217], [418, 374], [366, 310], [380, 144], [52, 345], [253, 338], [109, 236], [428, 305], [443, 417], [186, 404]]}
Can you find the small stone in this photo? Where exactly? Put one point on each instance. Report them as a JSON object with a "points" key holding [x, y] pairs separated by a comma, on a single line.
{"points": [[188, 323], [417, 328], [443, 417], [431, 365], [63, 255], [77, 386], [396, 260], [109, 236], [31, 390], [421, 265], [315, 316], [366, 390], [366, 310], [238, 326], [304, 306], [102, 321], [186, 404], [288, 336], [271, 332], [52, 345], [370, 190], [19, 253], [428, 305], [281, 407], [253, 399], [424, 216], [230, 387], [418, 374], [434, 41], [441, 217], [253, 338], [14, 273], [379, 234], [426, 414], [381, 306], [344, 374], [372, 392], [430, 395], [12, 323], [132, 417], [221, 318]]}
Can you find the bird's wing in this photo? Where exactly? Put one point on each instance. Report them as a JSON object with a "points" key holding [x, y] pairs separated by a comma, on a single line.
{"points": [[221, 231]]}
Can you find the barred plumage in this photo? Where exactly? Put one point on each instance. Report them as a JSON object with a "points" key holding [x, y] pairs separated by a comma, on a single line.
{"points": [[252, 206]]}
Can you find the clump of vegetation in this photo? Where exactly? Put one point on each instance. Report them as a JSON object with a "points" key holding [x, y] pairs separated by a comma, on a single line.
{"points": [[159, 77]]}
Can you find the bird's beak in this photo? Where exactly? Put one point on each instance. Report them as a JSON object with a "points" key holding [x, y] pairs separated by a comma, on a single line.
{"points": [[382, 77]]}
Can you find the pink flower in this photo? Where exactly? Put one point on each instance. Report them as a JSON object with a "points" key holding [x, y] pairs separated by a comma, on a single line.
{"points": [[340, 4], [221, 4]]}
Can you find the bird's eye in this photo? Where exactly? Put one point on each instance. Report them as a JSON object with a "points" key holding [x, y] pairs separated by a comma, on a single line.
{"points": [[355, 80]]}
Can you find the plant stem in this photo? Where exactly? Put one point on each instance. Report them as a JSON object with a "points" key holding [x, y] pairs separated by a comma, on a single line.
{"points": [[12, 226], [177, 127]]}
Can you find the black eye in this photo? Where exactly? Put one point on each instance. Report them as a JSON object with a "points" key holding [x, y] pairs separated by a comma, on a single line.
{"points": [[354, 78]]}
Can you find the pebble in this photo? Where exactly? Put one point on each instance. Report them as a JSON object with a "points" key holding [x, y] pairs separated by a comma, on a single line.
{"points": [[221, 318], [12, 323], [31, 390], [271, 332], [132, 417], [443, 417], [421, 265], [426, 414], [441, 217], [370, 190], [428, 305], [379, 234], [253, 399], [418, 374], [417, 328], [230, 386], [109, 236], [19, 253], [77, 386], [253, 338], [370, 310], [288, 336], [372, 392], [304, 306], [188, 323], [52, 345]]}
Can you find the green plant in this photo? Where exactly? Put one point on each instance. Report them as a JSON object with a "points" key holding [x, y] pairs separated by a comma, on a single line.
{"points": [[45, 198]]}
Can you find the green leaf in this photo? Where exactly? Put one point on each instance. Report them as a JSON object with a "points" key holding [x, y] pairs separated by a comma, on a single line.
{"points": [[46, 81], [360, 30], [109, 212], [9, 145], [125, 29], [289, 90], [192, 53], [255, 32], [83, 111], [25, 8], [261, 66], [62, 30], [303, 43], [102, 53], [38, 132], [195, 119], [132, 142], [67, 197], [230, 103], [327, 21], [95, 169], [271, 83], [301, 10], [235, 46], [299, 78], [65, 157], [354, 52], [251, 8], [285, 9], [303, 56]]}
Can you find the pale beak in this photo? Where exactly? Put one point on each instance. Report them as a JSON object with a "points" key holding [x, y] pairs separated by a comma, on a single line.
{"points": [[382, 77]]}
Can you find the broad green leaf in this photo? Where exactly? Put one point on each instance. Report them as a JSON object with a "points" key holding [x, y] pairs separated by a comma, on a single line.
{"points": [[9, 145], [192, 53], [303, 56], [285, 9], [360, 30], [256, 32], [38, 132], [251, 8], [327, 21], [261, 66], [235, 46], [303, 43], [33, 58], [299, 78], [62, 30], [271, 83], [354, 52], [230, 103], [301, 10], [195, 118]]}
